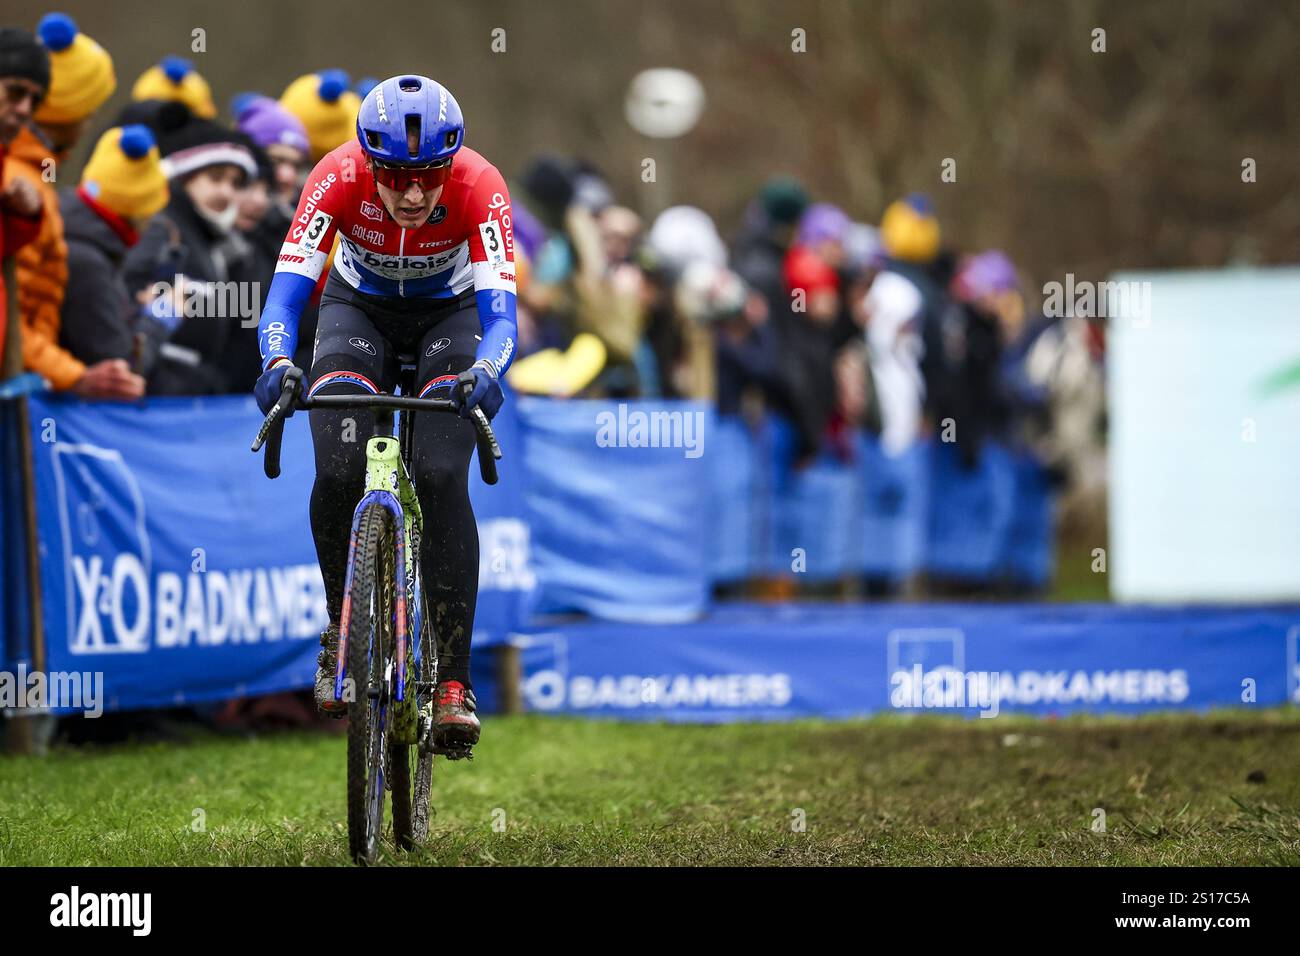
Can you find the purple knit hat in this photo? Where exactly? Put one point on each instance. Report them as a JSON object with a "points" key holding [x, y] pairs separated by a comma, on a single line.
{"points": [[821, 222], [268, 123], [527, 229], [984, 274]]}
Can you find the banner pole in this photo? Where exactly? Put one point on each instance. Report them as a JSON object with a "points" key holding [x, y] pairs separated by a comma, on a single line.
{"points": [[11, 342], [30, 734], [26, 464], [510, 678]]}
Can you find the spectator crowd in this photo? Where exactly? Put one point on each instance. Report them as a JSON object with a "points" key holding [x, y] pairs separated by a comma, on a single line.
{"points": [[145, 277]]}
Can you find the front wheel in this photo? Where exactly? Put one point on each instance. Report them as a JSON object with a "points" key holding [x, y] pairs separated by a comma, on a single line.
{"points": [[413, 766], [368, 681]]}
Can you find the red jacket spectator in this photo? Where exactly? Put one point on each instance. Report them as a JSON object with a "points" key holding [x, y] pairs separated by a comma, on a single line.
{"points": [[25, 71], [16, 231]]}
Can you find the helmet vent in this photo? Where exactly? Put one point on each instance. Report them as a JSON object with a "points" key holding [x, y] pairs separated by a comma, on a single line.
{"points": [[450, 139], [373, 139], [413, 133], [409, 84]]}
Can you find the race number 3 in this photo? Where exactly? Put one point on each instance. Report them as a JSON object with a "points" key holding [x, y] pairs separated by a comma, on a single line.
{"points": [[315, 230], [493, 242]]}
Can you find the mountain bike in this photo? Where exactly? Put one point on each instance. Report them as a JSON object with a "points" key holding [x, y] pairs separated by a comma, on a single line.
{"points": [[387, 666]]}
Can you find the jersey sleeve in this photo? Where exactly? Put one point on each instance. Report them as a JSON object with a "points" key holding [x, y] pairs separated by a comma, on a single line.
{"points": [[302, 261], [311, 235], [492, 259]]}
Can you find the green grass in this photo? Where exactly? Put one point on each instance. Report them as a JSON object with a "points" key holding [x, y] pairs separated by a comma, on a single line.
{"points": [[1223, 789], [1075, 579]]}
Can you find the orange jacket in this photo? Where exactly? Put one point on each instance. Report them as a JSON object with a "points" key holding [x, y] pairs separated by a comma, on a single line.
{"points": [[42, 270], [15, 232]]}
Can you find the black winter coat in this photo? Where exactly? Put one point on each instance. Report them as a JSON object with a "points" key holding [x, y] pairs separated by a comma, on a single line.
{"points": [[215, 351], [99, 316]]}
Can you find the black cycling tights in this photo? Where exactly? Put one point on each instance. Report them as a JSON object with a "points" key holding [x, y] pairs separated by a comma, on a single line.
{"points": [[363, 336]]}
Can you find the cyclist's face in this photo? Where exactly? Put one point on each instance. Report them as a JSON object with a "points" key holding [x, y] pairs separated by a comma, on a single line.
{"points": [[412, 207]]}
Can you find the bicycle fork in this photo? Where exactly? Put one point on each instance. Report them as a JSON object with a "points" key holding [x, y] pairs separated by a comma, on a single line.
{"points": [[386, 480]]}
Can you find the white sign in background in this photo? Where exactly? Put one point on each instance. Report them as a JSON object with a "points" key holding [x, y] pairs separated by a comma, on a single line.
{"points": [[1205, 439]]}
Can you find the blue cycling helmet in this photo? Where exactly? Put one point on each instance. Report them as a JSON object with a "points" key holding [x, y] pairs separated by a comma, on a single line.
{"points": [[401, 105]]}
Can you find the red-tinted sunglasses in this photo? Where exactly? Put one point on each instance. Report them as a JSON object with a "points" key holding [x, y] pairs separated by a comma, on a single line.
{"points": [[400, 178]]}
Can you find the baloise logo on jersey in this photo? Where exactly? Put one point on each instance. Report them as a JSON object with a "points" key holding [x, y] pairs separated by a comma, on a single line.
{"points": [[400, 267], [313, 198]]}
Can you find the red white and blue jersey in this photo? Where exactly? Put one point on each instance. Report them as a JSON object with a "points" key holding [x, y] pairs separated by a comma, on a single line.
{"points": [[466, 243]]}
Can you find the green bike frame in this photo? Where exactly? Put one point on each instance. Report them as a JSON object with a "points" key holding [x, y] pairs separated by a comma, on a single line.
{"points": [[389, 486]]}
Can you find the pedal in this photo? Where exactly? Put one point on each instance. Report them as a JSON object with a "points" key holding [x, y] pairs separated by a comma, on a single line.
{"points": [[453, 749], [455, 752]]}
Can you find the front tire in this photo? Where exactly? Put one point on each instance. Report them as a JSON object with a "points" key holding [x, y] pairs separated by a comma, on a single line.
{"points": [[369, 653], [399, 765], [411, 812]]}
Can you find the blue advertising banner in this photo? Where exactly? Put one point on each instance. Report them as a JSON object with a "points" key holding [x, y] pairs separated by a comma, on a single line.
{"points": [[167, 560], [734, 530], [895, 503], [172, 565], [12, 633], [751, 662], [169, 563], [815, 534], [1027, 557], [617, 496], [971, 511], [506, 582]]}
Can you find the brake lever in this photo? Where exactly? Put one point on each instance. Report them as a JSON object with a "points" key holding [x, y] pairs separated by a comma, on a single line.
{"points": [[485, 431], [273, 428], [283, 406]]}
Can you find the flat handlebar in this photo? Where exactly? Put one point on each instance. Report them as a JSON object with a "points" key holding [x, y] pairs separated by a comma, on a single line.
{"points": [[272, 431]]}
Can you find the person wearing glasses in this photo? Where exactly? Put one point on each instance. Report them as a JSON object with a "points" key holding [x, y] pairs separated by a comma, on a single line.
{"points": [[424, 267]]}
